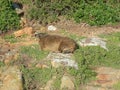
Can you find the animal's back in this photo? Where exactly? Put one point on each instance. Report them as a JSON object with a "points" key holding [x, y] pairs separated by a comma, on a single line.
{"points": [[51, 43], [57, 43], [68, 45]]}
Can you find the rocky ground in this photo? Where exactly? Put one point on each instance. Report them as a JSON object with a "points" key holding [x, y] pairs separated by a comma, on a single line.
{"points": [[11, 76]]}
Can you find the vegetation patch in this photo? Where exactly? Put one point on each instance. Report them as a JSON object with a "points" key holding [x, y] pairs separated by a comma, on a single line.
{"points": [[112, 58], [11, 38], [49, 11], [34, 51], [72, 36], [36, 77], [2, 64], [97, 12], [112, 39], [97, 56], [116, 86], [9, 19], [94, 12], [84, 73]]}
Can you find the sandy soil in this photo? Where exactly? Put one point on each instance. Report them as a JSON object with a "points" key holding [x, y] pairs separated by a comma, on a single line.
{"points": [[84, 29]]}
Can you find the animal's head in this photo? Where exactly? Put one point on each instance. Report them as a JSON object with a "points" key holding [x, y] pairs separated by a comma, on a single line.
{"points": [[40, 35]]}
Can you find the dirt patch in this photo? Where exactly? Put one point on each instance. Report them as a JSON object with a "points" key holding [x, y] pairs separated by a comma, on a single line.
{"points": [[26, 43], [84, 29], [72, 27], [6, 33]]}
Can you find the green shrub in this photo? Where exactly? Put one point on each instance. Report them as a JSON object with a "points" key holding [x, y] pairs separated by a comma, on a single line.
{"points": [[84, 73], [2, 64], [112, 58], [35, 77], [34, 51], [116, 86], [98, 12], [10, 38], [93, 12], [9, 19], [48, 11]]}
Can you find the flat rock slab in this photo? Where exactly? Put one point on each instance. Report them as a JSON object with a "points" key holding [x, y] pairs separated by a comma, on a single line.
{"points": [[66, 82], [60, 59], [93, 42], [10, 78]]}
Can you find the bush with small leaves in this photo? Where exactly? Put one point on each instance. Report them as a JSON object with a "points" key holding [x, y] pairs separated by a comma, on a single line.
{"points": [[9, 19], [98, 12]]}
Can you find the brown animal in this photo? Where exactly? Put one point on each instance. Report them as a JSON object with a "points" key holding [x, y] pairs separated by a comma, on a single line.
{"points": [[56, 43]]}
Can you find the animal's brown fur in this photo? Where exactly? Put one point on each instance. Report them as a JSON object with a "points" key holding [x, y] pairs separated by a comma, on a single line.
{"points": [[56, 43]]}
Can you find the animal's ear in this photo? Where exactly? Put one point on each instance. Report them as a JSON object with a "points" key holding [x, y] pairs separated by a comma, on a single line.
{"points": [[38, 35]]}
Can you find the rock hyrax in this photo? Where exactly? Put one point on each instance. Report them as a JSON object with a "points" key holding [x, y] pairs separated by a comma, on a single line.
{"points": [[56, 43]]}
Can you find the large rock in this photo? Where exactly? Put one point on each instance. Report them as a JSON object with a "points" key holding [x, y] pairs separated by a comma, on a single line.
{"points": [[11, 78], [60, 59], [49, 85], [66, 82], [26, 30], [107, 76], [94, 41], [19, 33]]}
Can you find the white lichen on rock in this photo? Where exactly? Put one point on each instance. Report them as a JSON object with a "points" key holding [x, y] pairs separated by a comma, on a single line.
{"points": [[64, 59], [93, 42]]}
